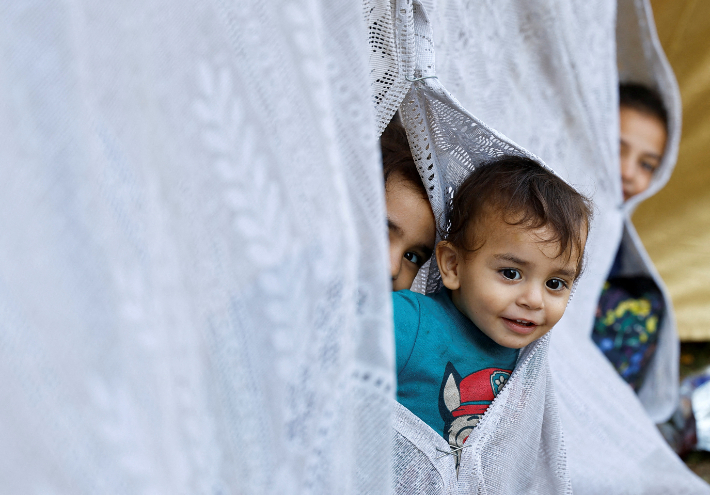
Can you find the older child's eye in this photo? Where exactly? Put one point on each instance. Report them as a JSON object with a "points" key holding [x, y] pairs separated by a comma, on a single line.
{"points": [[648, 167], [511, 274], [413, 257], [556, 284]]}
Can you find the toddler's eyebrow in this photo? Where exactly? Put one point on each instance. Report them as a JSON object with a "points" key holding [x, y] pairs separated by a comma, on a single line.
{"points": [[565, 272], [571, 274], [426, 250], [393, 226], [510, 257]]}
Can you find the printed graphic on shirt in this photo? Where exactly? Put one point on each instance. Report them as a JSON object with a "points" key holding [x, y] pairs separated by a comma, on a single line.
{"points": [[462, 402]]}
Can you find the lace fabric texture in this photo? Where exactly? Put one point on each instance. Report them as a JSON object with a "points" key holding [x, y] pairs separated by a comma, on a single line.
{"points": [[422, 460], [521, 427], [545, 74], [193, 288]]}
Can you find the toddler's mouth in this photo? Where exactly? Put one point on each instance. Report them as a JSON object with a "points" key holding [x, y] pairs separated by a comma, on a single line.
{"points": [[522, 322], [524, 327]]}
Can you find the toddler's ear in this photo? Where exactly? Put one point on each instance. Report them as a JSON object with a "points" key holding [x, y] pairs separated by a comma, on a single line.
{"points": [[447, 257]]}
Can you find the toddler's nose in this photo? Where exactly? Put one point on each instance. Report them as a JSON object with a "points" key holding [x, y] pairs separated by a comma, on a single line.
{"points": [[395, 264], [531, 297]]}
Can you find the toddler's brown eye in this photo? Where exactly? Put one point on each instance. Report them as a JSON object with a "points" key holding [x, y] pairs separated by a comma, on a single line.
{"points": [[413, 257], [555, 284], [511, 274]]}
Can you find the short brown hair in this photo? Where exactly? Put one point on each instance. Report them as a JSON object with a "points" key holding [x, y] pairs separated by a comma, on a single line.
{"points": [[524, 193], [397, 156]]}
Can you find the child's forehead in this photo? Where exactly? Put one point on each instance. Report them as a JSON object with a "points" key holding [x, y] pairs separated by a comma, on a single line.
{"points": [[632, 116], [498, 228], [494, 218], [501, 229], [644, 131]]}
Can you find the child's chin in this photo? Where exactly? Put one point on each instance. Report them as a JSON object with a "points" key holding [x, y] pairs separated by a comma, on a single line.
{"points": [[517, 343]]}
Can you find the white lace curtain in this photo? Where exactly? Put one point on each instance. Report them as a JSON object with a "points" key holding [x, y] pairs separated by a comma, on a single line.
{"points": [[193, 282], [545, 74]]}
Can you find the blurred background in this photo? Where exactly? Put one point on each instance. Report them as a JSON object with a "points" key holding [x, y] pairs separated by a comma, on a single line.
{"points": [[675, 223]]}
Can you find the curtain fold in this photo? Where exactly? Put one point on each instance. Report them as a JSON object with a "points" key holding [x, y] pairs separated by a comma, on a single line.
{"points": [[193, 267]]}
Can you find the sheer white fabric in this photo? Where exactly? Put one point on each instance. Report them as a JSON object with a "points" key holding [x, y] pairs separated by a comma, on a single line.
{"points": [[193, 290], [543, 73], [447, 143], [193, 268], [521, 427]]}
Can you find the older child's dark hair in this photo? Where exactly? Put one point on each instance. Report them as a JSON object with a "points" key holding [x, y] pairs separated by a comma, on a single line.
{"points": [[397, 156], [643, 99], [522, 193]]}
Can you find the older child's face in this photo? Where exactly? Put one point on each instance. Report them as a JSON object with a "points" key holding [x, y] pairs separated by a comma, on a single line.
{"points": [[643, 139], [515, 288], [411, 230]]}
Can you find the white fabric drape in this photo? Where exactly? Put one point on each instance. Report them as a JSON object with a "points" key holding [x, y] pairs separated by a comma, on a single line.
{"points": [[193, 289], [521, 427], [543, 73], [193, 269]]}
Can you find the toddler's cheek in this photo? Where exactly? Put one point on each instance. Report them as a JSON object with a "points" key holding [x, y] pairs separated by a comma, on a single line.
{"points": [[558, 312]]}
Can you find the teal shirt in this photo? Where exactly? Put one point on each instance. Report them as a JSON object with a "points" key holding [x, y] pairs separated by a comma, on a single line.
{"points": [[446, 367]]}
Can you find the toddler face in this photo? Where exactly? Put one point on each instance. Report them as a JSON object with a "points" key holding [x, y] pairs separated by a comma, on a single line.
{"points": [[411, 230], [643, 139], [515, 288]]}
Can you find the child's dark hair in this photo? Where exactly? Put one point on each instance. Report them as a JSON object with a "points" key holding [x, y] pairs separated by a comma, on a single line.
{"points": [[643, 99], [522, 193], [397, 156]]}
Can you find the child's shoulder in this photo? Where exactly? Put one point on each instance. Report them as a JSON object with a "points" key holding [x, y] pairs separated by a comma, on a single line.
{"points": [[407, 300], [406, 295], [410, 295]]}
